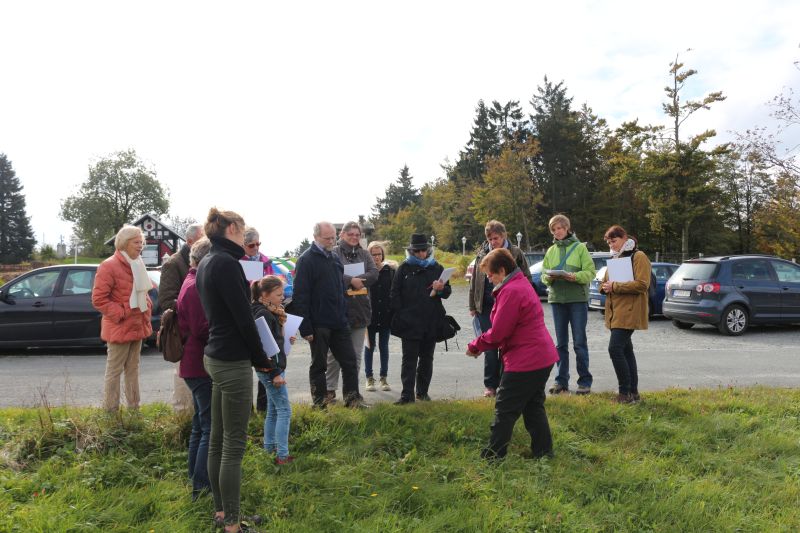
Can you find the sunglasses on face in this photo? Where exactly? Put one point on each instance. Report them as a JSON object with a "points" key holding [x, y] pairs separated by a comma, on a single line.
{"points": [[252, 245]]}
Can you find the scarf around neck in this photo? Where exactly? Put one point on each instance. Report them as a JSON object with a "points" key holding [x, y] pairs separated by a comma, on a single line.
{"points": [[278, 311], [141, 282], [629, 245], [424, 263]]}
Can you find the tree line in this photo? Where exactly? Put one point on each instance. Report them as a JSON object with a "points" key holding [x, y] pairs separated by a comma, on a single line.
{"points": [[680, 195]]}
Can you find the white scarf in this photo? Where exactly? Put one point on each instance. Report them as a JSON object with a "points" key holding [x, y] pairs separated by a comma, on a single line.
{"points": [[629, 245], [141, 282]]}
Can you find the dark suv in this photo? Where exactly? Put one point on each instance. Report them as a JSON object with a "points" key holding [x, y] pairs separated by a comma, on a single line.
{"points": [[732, 292]]}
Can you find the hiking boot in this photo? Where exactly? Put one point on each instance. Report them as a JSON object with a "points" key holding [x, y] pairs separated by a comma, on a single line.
{"points": [[423, 398], [280, 461], [355, 401], [384, 385], [635, 398], [330, 397], [558, 388], [489, 392], [583, 389], [403, 401], [624, 398], [370, 385]]}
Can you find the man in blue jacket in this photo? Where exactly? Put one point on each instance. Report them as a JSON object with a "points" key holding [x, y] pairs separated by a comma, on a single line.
{"points": [[319, 297]]}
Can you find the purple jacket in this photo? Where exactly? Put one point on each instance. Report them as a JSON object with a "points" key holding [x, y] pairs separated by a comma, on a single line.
{"points": [[194, 328], [518, 328]]}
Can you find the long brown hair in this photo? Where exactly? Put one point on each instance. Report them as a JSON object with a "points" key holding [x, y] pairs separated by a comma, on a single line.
{"points": [[218, 221], [267, 284]]}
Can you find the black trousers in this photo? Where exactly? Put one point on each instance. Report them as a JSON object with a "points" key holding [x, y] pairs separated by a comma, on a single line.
{"points": [[417, 367], [620, 348], [340, 344], [521, 393]]}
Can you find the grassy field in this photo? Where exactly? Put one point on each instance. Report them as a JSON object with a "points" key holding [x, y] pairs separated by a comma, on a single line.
{"points": [[722, 460]]}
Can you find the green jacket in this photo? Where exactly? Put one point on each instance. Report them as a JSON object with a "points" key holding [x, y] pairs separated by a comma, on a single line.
{"points": [[579, 262]]}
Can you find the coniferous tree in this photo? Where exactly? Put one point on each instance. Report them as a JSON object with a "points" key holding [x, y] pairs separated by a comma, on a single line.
{"points": [[16, 235], [398, 196]]}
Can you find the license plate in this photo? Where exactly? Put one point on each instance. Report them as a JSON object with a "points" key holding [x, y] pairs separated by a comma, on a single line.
{"points": [[681, 294], [594, 301]]}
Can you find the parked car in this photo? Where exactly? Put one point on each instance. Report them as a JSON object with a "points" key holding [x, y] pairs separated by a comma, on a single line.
{"points": [[734, 291], [536, 278], [662, 273], [600, 259], [52, 306]]}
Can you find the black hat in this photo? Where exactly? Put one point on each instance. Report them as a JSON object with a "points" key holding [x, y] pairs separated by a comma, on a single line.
{"points": [[418, 242]]}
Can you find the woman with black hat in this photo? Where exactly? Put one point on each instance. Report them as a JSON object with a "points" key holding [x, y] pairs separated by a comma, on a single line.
{"points": [[416, 300]]}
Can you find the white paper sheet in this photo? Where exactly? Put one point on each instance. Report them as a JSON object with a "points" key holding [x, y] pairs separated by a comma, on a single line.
{"points": [[289, 329], [476, 326], [354, 269], [556, 273], [253, 270], [267, 340], [620, 269], [446, 274]]}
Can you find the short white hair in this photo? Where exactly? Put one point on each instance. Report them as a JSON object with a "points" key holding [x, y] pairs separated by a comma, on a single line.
{"points": [[250, 234], [125, 234], [198, 251], [194, 232], [319, 225]]}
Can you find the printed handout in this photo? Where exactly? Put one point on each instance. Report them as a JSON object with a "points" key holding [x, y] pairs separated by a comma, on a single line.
{"points": [[289, 330], [253, 270], [354, 269], [620, 269], [267, 340]]}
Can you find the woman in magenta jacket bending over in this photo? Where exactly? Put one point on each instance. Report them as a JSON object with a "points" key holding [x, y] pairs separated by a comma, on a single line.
{"points": [[528, 354]]}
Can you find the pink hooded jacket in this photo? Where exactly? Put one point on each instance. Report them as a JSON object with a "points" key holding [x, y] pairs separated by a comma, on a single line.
{"points": [[518, 328], [111, 296]]}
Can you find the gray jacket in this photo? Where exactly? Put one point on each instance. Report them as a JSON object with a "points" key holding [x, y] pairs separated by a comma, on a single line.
{"points": [[359, 309]]}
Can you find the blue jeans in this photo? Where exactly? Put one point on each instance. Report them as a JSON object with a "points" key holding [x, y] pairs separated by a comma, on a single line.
{"points": [[383, 334], [492, 365], [620, 348], [201, 430], [574, 315], [279, 416]]}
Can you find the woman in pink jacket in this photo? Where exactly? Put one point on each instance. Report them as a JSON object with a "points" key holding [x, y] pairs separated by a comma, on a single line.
{"points": [[120, 294], [528, 353]]}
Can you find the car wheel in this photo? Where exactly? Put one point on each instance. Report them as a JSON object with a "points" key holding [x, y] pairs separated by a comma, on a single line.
{"points": [[734, 320], [682, 325]]}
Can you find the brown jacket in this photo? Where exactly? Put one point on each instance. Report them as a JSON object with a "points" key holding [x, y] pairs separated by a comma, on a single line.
{"points": [[626, 306], [173, 272], [478, 280]]}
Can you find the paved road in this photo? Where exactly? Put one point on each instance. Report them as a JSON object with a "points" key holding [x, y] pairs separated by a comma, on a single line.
{"points": [[667, 357]]}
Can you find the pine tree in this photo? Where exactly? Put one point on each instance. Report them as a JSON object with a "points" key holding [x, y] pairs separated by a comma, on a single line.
{"points": [[16, 235]]}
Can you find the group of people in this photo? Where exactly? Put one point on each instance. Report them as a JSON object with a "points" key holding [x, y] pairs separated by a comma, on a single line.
{"points": [[346, 315]]}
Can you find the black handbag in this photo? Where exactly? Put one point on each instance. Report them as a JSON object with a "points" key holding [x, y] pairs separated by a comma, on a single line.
{"points": [[448, 327]]}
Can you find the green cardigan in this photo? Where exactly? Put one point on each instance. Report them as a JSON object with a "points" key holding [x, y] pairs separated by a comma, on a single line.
{"points": [[579, 262]]}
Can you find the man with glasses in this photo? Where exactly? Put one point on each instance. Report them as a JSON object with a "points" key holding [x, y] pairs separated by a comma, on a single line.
{"points": [[359, 307], [320, 298]]}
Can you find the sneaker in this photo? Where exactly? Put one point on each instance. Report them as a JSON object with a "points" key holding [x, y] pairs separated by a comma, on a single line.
{"points": [[582, 389], [384, 385], [330, 397], [284, 460], [558, 388], [423, 398], [370, 385], [489, 392]]}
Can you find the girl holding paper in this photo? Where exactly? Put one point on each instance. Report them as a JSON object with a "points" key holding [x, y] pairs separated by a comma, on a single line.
{"points": [[626, 311], [267, 296], [567, 269]]}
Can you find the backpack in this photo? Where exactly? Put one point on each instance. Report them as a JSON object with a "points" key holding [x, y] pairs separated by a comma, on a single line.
{"points": [[168, 339], [448, 327]]}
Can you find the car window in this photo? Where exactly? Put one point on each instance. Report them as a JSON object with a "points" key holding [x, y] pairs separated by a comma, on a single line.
{"points": [[696, 271], [787, 272], [757, 270], [599, 262], [39, 285], [78, 282], [662, 273]]}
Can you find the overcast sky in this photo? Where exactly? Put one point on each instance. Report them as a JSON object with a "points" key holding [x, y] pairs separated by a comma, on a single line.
{"points": [[293, 112]]}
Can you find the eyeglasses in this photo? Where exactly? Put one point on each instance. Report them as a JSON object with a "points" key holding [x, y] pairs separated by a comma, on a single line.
{"points": [[376, 255], [252, 245], [353, 235]]}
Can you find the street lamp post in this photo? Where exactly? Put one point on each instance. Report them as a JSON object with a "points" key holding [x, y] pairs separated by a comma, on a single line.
{"points": [[519, 238], [433, 243], [463, 246]]}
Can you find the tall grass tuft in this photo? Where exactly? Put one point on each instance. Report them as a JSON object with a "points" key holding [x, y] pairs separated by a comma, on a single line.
{"points": [[720, 460]]}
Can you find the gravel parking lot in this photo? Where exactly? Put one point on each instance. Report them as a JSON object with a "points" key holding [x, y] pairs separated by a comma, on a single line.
{"points": [[667, 357]]}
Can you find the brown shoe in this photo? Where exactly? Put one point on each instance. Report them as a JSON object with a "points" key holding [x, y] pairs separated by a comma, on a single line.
{"points": [[330, 397], [624, 398]]}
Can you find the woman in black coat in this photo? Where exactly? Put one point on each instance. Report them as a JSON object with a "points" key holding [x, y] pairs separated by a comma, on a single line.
{"points": [[416, 300]]}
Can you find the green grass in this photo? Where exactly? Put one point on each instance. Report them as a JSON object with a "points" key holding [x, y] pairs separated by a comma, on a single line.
{"points": [[722, 460]]}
